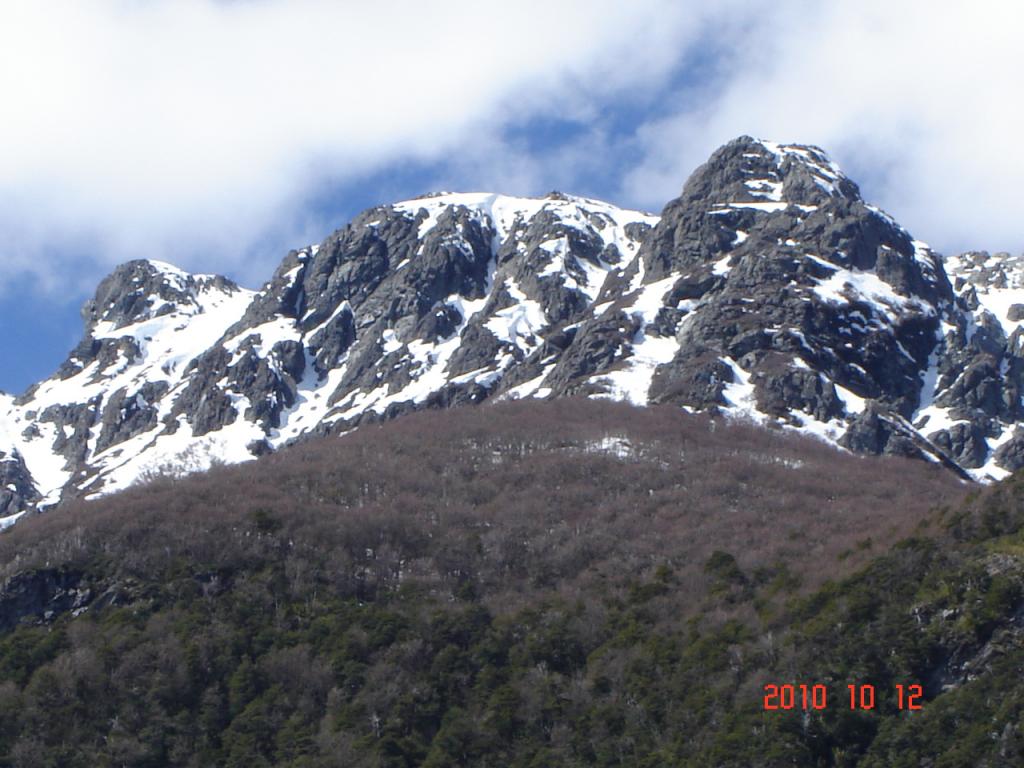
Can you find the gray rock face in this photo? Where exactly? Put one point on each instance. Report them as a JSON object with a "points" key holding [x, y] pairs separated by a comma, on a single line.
{"points": [[781, 294], [17, 491], [768, 290], [125, 415], [39, 596], [1010, 454]]}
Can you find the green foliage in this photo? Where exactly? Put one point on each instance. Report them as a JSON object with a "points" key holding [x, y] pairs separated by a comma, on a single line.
{"points": [[27, 648], [265, 521], [723, 566]]}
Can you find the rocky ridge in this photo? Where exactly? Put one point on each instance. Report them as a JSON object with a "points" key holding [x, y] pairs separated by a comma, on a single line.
{"points": [[768, 290]]}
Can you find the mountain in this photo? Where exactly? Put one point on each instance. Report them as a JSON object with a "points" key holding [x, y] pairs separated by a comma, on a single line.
{"points": [[768, 290]]}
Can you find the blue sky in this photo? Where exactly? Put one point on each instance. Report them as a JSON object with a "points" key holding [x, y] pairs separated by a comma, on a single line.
{"points": [[217, 135]]}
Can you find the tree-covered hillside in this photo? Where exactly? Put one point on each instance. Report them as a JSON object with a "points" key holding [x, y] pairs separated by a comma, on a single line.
{"points": [[546, 584]]}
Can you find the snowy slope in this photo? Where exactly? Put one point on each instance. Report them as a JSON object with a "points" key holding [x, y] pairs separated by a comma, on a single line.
{"points": [[152, 353]]}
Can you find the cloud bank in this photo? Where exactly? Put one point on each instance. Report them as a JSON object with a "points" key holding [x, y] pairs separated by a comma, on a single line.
{"points": [[196, 130], [184, 127]]}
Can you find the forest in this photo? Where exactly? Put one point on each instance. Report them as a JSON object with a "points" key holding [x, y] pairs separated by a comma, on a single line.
{"points": [[567, 583]]}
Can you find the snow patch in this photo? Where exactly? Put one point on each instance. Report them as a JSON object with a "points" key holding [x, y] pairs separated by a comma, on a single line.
{"points": [[632, 381], [846, 286], [721, 267], [518, 325], [740, 395]]}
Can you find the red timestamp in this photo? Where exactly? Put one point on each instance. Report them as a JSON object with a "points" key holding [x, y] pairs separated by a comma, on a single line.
{"points": [[816, 697]]}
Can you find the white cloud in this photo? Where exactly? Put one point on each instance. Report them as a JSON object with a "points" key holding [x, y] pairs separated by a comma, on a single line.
{"points": [[197, 131], [917, 100], [182, 128]]}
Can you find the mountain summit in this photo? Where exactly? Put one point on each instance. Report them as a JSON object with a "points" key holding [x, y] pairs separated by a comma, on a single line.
{"points": [[768, 290]]}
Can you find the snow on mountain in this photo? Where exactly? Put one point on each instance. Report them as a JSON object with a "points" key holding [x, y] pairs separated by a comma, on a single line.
{"points": [[995, 283], [973, 382], [768, 290], [179, 371], [95, 421]]}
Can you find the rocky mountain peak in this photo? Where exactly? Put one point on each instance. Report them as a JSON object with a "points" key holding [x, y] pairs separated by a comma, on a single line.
{"points": [[769, 176], [144, 289], [767, 207], [769, 290]]}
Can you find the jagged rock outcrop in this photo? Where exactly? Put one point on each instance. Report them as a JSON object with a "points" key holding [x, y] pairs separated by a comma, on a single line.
{"points": [[769, 290], [40, 596], [17, 490], [43, 595]]}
